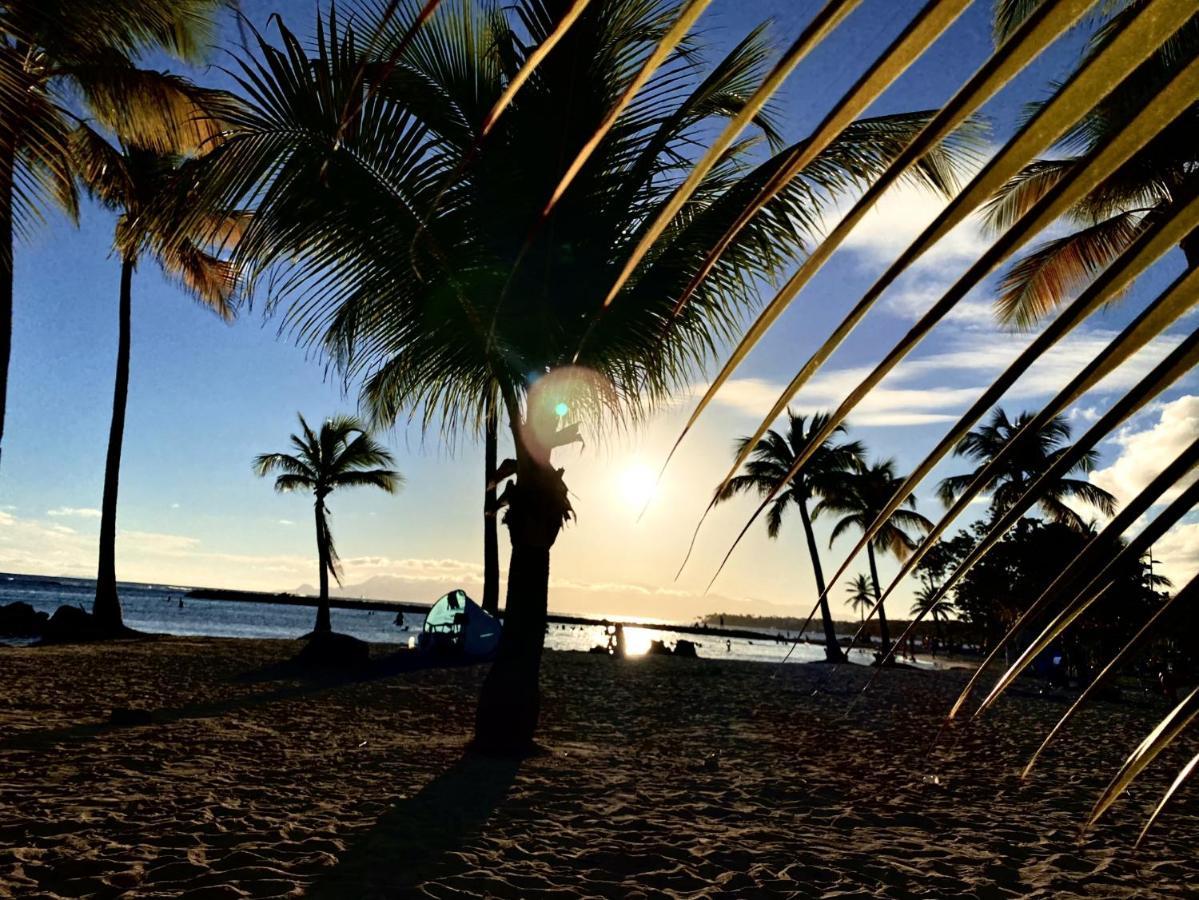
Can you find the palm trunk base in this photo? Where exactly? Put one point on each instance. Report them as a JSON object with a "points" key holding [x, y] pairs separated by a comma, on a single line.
{"points": [[510, 701], [106, 610], [323, 623]]}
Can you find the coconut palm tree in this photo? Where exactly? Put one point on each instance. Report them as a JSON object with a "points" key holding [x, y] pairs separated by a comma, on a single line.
{"points": [[860, 597], [433, 246], [770, 462], [1034, 455], [859, 499], [1146, 189], [138, 185], [926, 603], [86, 51], [342, 455]]}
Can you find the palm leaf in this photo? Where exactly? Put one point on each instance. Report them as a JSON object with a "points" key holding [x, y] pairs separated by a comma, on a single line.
{"points": [[1035, 34], [1156, 114], [1051, 272], [824, 22], [1186, 595], [1169, 370], [1151, 245], [1157, 740], [1182, 776]]}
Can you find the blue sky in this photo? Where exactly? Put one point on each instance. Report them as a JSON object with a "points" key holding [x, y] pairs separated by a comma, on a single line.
{"points": [[206, 397]]}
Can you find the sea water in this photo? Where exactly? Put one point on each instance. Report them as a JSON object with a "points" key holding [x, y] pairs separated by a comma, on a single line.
{"points": [[165, 609]]}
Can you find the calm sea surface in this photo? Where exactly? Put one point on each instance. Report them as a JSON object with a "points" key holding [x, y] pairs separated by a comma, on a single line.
{"points": [[163, 609]]}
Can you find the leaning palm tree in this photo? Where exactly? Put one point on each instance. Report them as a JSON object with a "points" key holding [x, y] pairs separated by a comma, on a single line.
{"points": [[452, 223], [1032, 456], [1160, 177], [342, 455], [858, 499], [86, 51], [139, 185], [771, 460], [860, 597]]}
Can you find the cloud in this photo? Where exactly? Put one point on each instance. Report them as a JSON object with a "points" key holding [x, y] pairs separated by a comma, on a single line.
{"points": [[1176, 554], [1145, 452], [938, 387], [900, 216], [77, 512], [284, 522]]}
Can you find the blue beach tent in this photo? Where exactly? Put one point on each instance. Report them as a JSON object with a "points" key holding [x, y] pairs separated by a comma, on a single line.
{"points": [[456, 625]]}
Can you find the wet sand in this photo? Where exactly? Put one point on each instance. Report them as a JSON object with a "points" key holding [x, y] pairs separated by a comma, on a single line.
{"points": [[663, 778]]}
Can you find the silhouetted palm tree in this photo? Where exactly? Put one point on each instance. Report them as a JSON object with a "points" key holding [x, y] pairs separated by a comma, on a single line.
{"points": [[860, 597], [86, 51], [1157, 179], [446, 258], [859, 499], [139, 185], [343, 455], [923, 604], [1032, 456], [768, 466]]}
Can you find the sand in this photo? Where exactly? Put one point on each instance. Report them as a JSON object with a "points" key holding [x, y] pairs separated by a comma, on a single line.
{"points": [[662, 778]]}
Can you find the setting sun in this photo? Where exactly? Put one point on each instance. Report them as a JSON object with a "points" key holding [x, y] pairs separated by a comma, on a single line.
{"points": [[637, 485]]}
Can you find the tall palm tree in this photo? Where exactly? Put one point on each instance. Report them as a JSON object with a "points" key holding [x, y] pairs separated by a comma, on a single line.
{"points": [[139, 185], [860, 597], [87, 51], [769, 464], [430, 250], [342, 455], [1032, 456], [859, 499], [1164, 174]]}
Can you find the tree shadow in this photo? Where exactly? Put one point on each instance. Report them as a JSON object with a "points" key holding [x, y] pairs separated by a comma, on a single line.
{"points": [[416, 839], [306, 682]]}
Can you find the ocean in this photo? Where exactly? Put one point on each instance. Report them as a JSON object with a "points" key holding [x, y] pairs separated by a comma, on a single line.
{"points": [[163, 609]]}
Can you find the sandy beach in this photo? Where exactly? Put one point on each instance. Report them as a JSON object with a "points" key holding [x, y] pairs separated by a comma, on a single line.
{"points": [[662, 778]]}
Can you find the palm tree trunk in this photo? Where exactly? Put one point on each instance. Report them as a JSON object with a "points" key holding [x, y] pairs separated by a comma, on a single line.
{"points": [[884, 633], [491, 540], [6, 278], [322, 552], [509, 703], [1190, 248], [107, 606], [832, 649]]}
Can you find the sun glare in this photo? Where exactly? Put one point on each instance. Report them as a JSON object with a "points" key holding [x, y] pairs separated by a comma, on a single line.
{"points": [[637, 484]]}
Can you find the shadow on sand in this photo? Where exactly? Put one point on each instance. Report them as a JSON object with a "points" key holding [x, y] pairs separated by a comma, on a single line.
{"points": [[305, 682], [417, 839]]}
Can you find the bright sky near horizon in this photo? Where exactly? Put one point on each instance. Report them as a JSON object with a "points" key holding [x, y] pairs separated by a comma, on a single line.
{"points": [[207, 397]]}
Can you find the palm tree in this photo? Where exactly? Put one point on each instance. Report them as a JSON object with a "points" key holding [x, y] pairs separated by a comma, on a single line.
{"points": [[1146, 189], [85, 50], [860, 597], [1033, 455], [491, 537], [139, 184], [926, 603], [860, 499], [431, 250], [769, 464], [343, 455]]}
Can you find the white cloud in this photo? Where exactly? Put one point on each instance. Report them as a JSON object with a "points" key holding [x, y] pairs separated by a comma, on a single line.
{"points": [[284, 522], [938, 387], [174, 506], [1145, 452], [77, 512], [900, 216], [1176, 554]]}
